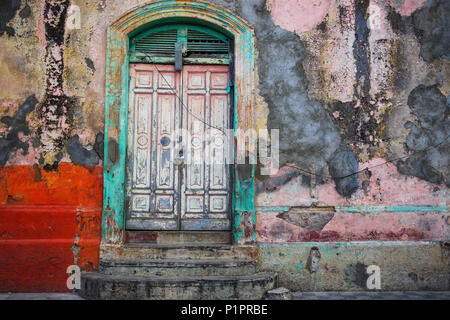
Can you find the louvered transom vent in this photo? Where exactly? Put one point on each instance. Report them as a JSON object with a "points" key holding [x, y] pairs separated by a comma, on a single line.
{"points": [[161, 44], [200, 45]]}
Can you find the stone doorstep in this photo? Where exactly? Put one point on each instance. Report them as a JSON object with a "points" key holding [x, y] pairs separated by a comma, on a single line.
{"points": [[140, 251], [279, 294], [178, 237], [177, 271], [96, 285], [176, 267]]}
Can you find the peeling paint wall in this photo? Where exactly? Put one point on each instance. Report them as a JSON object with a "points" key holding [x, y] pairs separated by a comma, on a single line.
{"points": [[358, 89], [367, 66]]}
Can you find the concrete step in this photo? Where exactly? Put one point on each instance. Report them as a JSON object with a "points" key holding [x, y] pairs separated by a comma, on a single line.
{"points": [[141, 251], [96, 285], [178, 237], [179, 267]]}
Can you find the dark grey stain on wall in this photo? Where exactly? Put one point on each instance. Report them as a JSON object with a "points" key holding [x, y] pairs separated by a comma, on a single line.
{"points": [[355, 275], [90, 64], [432, 28], [343, 167], [361, 49], [308, 136], [83, 156], [80, 155], [273, 182], [56, 104], [307, 133], [8, 9], [99, 144], [25, 12], [432, 110], [17, 123], [113, 153]]}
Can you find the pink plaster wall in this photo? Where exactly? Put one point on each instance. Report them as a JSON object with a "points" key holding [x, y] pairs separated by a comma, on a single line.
{"points": [[299, 15], [409, 6], [387, 187], [345, 226]]}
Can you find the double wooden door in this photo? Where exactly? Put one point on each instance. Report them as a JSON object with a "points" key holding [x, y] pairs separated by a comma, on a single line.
{"points": [[178, 157]]}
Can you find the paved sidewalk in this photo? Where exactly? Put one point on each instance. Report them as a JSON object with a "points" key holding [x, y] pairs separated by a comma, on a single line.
{"points": [[39, 296], [366, 295], [342, 295]]}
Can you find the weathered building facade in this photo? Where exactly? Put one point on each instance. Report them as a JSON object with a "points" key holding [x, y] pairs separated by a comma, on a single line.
{"points": [[357, 88]]}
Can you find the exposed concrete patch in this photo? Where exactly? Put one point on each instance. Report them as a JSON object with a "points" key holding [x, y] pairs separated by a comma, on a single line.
{"points": [[338, 269], [361, 50], [55, 114], [355, 274], [312, 264], [351, 226], [113, 152], [343, 167], [99, 145], [308, 218], [54, 111], [8, 9], [17, 124], [432, 27], [283, 176], [80, 155], [25, 12], [432, 110], [329, 62], [307, 133], [407, 7], [429, 105], [90, 64]]}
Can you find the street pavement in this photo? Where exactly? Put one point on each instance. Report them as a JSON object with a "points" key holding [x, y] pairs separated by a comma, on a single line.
{"points": [[336, 295]]}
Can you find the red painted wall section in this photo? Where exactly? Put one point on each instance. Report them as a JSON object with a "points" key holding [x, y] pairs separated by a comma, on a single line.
{"points": [[48, 221]]}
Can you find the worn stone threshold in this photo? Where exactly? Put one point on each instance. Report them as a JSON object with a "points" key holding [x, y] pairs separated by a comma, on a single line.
{"points": [[178, 237], [179, 246], [260, 276], [173, 263]]}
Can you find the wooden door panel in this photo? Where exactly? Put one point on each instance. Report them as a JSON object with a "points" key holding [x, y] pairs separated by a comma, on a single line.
{"points": [[161, 193], [205, 195], [154, 115]]}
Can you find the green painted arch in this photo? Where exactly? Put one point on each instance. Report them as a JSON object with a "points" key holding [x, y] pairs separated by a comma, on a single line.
{"points": [[171, 23], [136, 21], [223, 58]]}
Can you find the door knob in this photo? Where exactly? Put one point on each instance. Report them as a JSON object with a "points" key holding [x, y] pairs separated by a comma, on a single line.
{"points": [[179, 161]]}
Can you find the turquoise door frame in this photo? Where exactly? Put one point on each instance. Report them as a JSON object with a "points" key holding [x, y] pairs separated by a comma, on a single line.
{"points": [[116, 107]]}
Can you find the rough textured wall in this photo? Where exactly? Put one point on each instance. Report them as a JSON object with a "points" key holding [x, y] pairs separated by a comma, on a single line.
{"points": [[334, 77], [369, 95], [351, 84], [51, 149]]}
